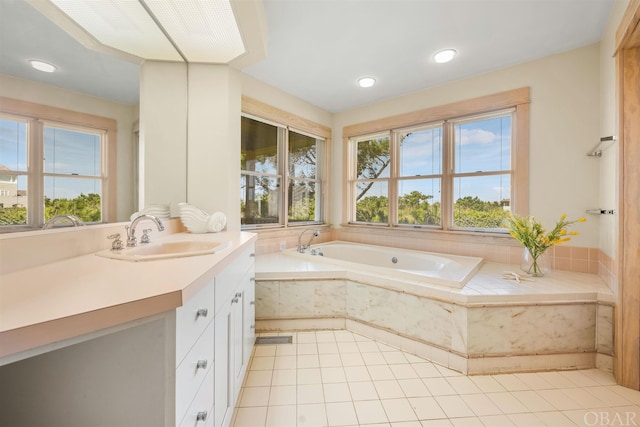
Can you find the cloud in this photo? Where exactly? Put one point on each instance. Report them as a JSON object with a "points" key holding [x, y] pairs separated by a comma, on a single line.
{"points": [[477, 136]]}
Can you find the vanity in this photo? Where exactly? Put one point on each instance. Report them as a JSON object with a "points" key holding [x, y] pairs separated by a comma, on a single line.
{"points": [[95, 341]]}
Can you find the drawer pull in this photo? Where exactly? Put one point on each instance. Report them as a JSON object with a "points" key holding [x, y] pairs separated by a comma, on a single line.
{"points": [[252, 303], [202, 416], [234, 300], [252, 327], [203, 312], [201, 364], [238, 294], [252, 255], [253, 279]]}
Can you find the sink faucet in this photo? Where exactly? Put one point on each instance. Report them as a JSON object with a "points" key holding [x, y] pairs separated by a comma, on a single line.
{"points": [[131, 229], [61, 218], [301, 247]]}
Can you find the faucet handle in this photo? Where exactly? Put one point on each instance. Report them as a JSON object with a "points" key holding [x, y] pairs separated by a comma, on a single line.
{"points": [[145, 236], [117, 244]]}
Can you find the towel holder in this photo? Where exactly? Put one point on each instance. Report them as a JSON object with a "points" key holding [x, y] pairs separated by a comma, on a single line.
{"points": [[596, 151], [601, 211]]}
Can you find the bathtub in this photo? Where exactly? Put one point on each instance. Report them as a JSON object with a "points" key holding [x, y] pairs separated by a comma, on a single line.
{"points": [[404, 264]]}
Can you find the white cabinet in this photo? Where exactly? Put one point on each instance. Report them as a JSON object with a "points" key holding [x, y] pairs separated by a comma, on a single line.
{"points": [[214, 341], [233, 331], [194, 358]]}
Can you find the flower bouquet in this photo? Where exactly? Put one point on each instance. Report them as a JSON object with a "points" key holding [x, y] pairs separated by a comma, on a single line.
{"points": [[535, 239]]}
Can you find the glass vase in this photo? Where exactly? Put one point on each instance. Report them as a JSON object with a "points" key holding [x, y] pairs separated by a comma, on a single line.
{"points": [[535, 266]]}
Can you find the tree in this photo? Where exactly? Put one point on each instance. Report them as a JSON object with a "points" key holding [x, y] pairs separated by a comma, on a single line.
{"points": [[373, 159]]}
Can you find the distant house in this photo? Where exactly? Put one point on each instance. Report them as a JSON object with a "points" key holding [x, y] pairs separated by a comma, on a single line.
{"points": [[10, 196]]}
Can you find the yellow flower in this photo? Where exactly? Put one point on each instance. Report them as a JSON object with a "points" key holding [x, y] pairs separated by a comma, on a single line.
{"points": [[582, 219], [563, 217], [573, 233], [563, 232]]}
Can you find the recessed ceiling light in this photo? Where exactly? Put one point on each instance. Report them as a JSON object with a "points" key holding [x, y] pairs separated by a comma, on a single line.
{"points": [[366, 81], [42, 66], [444, 55]]}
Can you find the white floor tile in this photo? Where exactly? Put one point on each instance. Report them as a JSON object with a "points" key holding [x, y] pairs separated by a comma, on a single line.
{"points": [[309, 393], [403, 371], [454, 406], [363, 390], [250, 417], [438, 386], [357, 373], [339, 378], [330, 360], [312, 415], [370, 411], [281, 416], [337, 392], [341, 414], [414, 387], [533, 401], [284, 377], [480, 404], [426, 408], [510, 382], [398, 410], [282, 395], [388, 389], [254, 396], [352, 359]]}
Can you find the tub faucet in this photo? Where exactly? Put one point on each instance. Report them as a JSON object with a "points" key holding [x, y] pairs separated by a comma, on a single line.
{"points": [[131, 229], [74, 220], [301, 247]]}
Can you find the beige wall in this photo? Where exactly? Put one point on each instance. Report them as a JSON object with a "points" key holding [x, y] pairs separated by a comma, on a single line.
{"points": [[565, 101], [608, 163], [124, 114]]}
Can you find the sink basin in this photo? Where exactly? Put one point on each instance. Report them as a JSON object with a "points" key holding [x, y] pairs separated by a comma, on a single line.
{"points": [[163, 250]]}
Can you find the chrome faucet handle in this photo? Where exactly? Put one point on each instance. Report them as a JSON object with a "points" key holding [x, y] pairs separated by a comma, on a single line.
{"points": [[131, 237], [117, 244], [145, 236]]}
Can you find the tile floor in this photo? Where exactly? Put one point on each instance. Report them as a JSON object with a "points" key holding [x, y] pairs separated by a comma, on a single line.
{"points": [[338, 378]]}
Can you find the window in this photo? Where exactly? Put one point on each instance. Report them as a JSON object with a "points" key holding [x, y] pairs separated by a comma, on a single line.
{"points": [[71, 178], [452, 173], [281, 175]]}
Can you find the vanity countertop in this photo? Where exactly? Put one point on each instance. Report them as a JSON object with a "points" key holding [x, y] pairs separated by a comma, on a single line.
{"points": [[68, 298]]}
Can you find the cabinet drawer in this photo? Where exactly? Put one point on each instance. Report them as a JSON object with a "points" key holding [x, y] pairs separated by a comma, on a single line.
{"points": [[228, 280], [202, 404], [192, 318], [193, 370]]}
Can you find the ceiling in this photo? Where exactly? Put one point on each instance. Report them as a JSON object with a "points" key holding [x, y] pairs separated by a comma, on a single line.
{"points": [[317, 49]]}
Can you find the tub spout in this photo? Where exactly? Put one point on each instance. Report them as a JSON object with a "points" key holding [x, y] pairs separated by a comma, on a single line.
{"points": [[302, 248]]}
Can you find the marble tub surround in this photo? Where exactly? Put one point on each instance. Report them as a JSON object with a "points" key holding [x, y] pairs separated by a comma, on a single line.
{"points": [[561, 321]]}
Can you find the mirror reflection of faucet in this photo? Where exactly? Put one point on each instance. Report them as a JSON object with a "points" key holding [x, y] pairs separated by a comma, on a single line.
{"points": [[62, 219]]}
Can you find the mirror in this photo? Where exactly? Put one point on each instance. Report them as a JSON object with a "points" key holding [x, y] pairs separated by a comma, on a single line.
{"points": [[86, 81]]}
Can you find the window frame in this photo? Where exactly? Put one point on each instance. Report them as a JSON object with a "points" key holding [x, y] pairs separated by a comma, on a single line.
{"points": [[517, 100], [36, 117], [257, 110]]}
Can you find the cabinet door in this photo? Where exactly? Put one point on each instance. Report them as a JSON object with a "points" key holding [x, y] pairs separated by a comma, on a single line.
{"points": [[249, 333], [223, 378], [237, 347]]}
